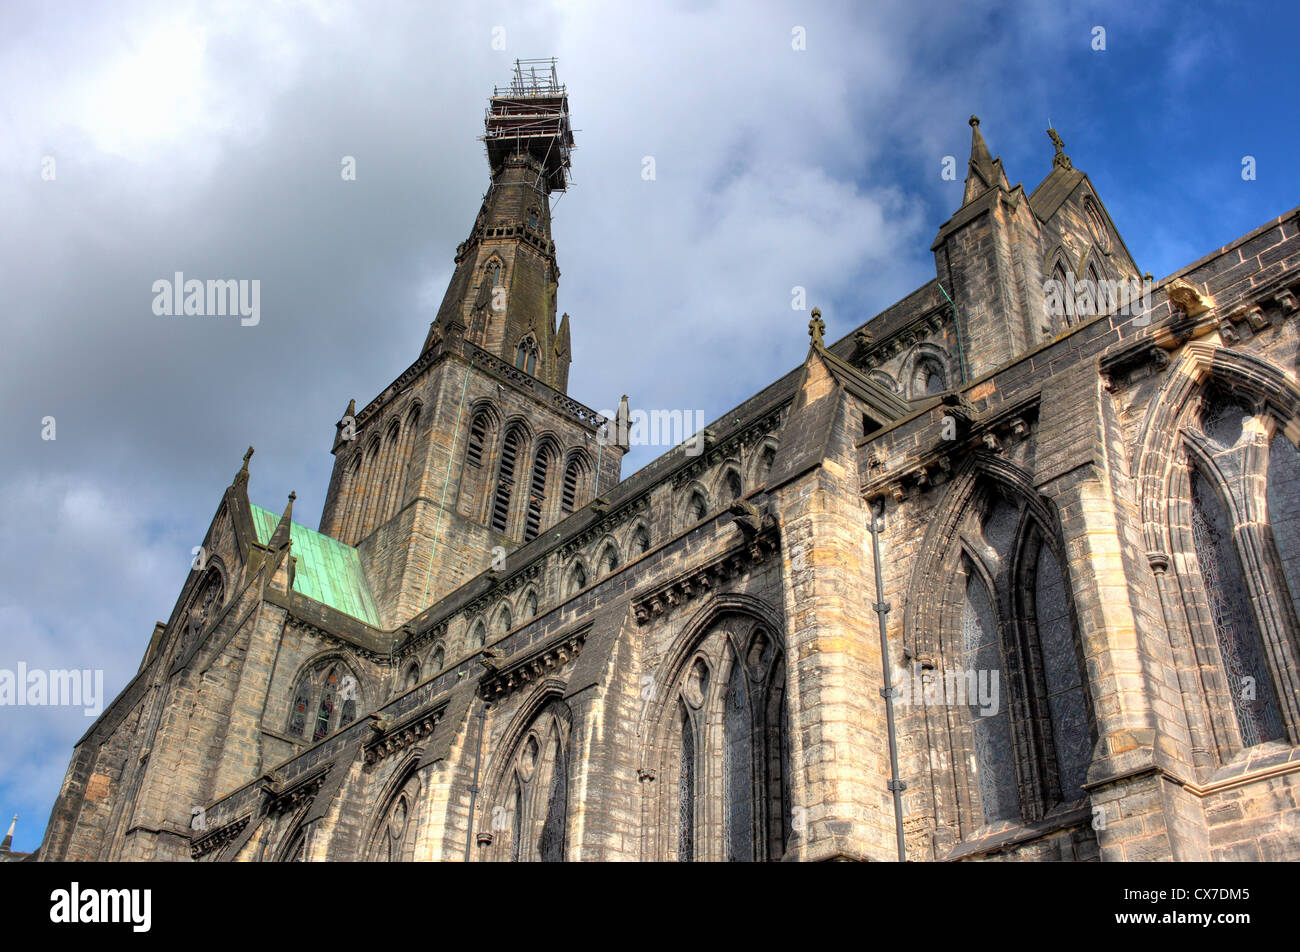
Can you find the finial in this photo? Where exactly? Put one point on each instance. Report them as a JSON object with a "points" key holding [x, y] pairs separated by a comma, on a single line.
{"points": [[7, 844], [816, 327], [292, 496], [241, 477], [974, 120], [1060, 159]]}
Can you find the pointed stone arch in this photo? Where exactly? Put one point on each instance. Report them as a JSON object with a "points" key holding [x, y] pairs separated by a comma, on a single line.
{"points": [[527, 802], [719, 738], [986, 530]]}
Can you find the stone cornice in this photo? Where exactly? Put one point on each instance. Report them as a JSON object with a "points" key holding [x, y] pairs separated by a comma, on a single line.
{"points": [[662, 598], [988, 432], [534, 667], [218, 838], [390, 738]]}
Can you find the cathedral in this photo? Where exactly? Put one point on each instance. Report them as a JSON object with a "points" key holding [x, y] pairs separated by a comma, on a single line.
{"points": [[1010, 572]]}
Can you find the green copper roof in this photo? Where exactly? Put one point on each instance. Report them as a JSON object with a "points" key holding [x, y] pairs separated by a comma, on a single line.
{"points": [[328, 571]]}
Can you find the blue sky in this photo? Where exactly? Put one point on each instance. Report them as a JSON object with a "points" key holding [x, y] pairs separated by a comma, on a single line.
{"points": [[208, 140]]}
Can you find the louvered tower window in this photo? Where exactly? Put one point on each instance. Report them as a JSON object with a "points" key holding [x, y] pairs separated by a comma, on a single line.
{"points": [[505, 482]]}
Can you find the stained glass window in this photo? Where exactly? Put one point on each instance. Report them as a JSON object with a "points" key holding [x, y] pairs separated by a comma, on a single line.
{"points": [[1284, 510], [1000, 526], [1249, 683], [995, 766], [686, 792], [517, 824], [737, 769], [1066, 698], [1222, 418], [325, 712], [551, 843], [298, 716]]}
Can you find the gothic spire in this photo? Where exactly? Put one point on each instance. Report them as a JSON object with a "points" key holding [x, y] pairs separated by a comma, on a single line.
{"points": [[7, 845], [281, 537], [985, 171]]}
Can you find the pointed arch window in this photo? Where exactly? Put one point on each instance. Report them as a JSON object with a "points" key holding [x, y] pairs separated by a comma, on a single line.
{"points": [[686, 789], [393, 836], [437, 662], [993, 747], [530, 606], [208, 596], [537, 494], [1250, 685], [535, 784], [577, 578], [640, 542], [477, 440], [1009, 677], [732, 486], [325, 699], [478, 636], [1238, 573], [506, 480], [726, 790], [696, 508], [1065, 693], [569, 493], [412, 676], [1284, 511], [608, 561], [526, 356]]}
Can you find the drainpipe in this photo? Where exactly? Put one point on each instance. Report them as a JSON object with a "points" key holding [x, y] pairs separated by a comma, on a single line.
{"points": [[473, 787], [881, 608]]}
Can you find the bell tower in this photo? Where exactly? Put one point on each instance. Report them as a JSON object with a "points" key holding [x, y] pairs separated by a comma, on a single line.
{"points": [[502, 295], [477, 446]]}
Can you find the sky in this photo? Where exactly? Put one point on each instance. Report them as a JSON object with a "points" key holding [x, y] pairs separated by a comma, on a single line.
{"points": [[793, 145]]}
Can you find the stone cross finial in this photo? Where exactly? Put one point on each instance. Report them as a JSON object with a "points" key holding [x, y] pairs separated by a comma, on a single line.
{"points": [[1060, 158], [241, 477], [817, 327]]}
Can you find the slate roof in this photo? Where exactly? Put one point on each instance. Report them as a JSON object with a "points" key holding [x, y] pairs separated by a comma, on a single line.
{"points": [[328, 571]]}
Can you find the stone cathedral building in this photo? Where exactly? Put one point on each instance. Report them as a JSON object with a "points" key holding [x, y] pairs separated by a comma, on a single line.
{"points": [[1007, 573]]}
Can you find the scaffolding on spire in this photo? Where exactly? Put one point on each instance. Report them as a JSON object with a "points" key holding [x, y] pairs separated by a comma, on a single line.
{"points": [[531, 116]]}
